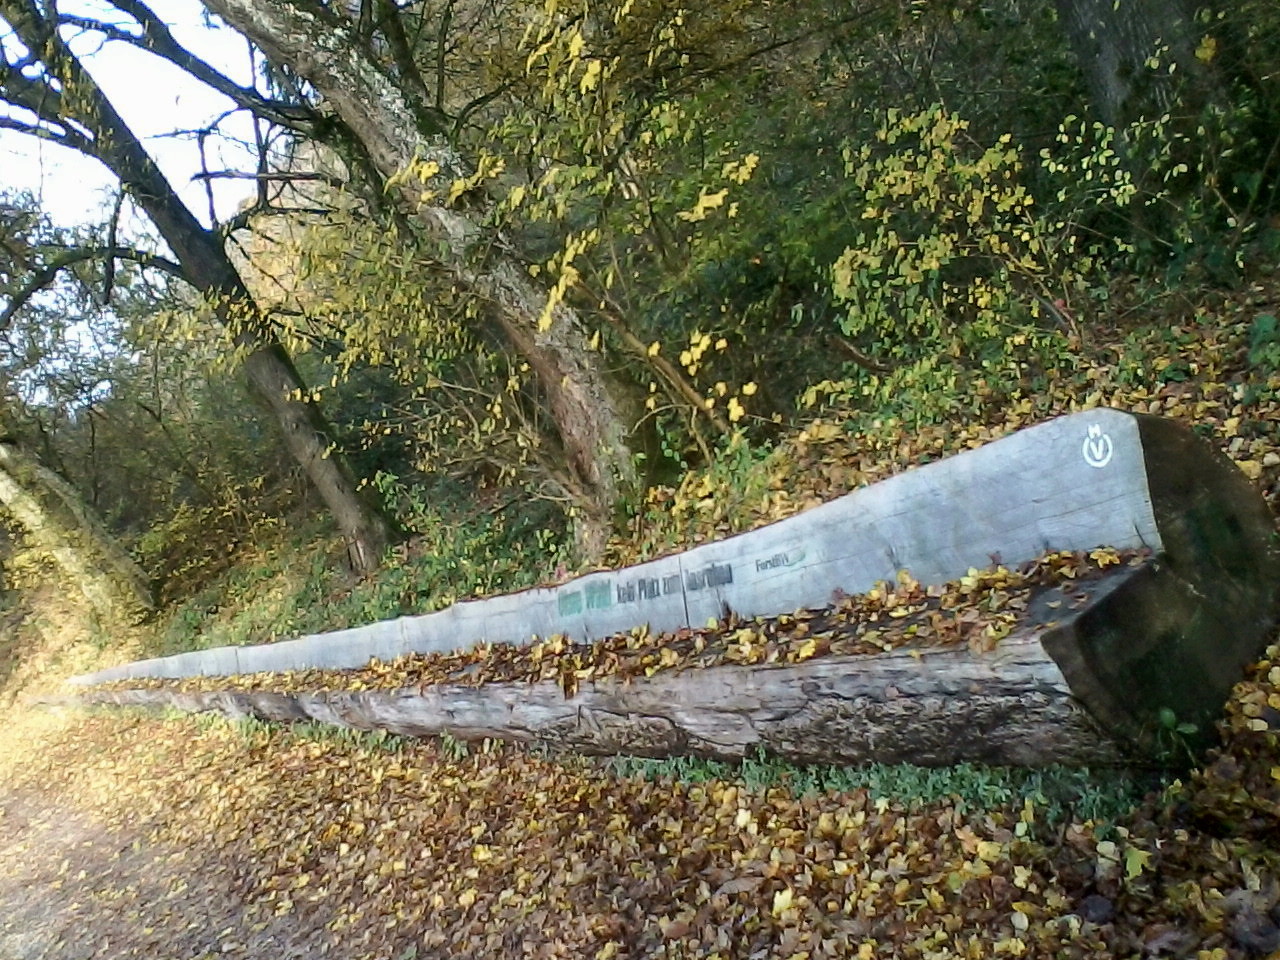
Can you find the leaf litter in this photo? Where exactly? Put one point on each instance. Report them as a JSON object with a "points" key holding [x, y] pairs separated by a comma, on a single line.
{"points": [[297, 846]]}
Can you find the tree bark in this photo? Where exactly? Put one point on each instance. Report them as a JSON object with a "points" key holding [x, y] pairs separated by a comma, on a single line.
{"points": [[206, 266], [56, 520], [395, 129], [1113, 42], [945, 708]]}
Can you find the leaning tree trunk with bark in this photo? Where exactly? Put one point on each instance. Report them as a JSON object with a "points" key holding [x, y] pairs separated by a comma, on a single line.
{"points": [[1114, 44], [205, 265], [55, 519], [395, 128]]}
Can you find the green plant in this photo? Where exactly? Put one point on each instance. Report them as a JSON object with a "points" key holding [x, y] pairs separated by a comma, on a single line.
{"points": [[1264, 343], [453, 748], [1057, 793], [1175, 739]]}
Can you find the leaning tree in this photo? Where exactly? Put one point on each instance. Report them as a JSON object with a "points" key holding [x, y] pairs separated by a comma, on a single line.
{"points": [[49, 94]]}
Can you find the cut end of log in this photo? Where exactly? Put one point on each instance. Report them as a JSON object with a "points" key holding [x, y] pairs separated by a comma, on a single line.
{"points": [[1155, 661]]}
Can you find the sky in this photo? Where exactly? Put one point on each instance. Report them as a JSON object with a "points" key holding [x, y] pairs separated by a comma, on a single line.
{"points": [[155, 99]]}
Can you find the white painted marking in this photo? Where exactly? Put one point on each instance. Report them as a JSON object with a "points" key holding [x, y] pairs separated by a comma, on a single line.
{"points": [[1097, 448]]}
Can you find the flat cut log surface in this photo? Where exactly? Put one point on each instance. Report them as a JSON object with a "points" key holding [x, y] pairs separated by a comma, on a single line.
{"points": [[1074, 483]]}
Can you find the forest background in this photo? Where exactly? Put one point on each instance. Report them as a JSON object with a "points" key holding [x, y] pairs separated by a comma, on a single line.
{"points": [[524, 289]]}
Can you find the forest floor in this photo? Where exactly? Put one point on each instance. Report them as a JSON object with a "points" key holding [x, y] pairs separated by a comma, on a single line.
{"points": [[132, 835]]}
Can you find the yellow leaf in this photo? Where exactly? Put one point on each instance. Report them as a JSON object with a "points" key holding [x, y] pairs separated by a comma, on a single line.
{"points": [[1135, 861], [654, 348], [706, 203], [990, 851], [591, 77], [457, 189], [782, 901], [1208, 49]]}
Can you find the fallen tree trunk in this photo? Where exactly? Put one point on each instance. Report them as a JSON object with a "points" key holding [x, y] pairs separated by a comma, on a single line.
{"points": [[1138, 668], [926, 705]]}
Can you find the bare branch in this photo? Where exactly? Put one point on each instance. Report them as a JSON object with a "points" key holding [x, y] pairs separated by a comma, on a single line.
{"points": [[109, 275], [45, 101], [401, 52], [66, 138], [49, 272], [481, 101], [109, 30], [156, 38], [336, 182], [263, 208], [863, 360]]}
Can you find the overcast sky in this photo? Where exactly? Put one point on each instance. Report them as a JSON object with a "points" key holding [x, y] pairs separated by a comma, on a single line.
{"points": [[155, 99]]}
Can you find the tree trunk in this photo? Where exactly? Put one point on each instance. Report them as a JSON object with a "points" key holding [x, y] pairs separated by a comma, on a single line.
{"points": [[1114, 43], [1135, 656], [935, 709], [306, 435], [206, 266], [396, 129], [55, 519]]}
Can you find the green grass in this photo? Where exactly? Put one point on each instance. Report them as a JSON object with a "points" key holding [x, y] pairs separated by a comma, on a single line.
{"points": [[1059, 794]]}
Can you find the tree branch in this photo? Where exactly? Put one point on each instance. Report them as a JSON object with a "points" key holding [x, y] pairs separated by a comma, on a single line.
{"points": [[336, 183], [401, 52], [109, 276], [64, 138], [43, 100], [156, 38], [49, 272], [863, 360]]}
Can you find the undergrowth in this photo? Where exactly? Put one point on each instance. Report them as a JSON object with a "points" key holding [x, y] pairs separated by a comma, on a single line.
{"points": [[1056, 794], [1059, 794]]}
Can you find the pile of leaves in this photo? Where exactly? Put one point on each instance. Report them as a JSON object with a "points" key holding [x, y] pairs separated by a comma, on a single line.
{"points": [[128, 835], [977, 610]]}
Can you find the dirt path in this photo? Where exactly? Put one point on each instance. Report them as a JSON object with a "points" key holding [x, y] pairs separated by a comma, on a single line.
{"points": [[72, 887]]}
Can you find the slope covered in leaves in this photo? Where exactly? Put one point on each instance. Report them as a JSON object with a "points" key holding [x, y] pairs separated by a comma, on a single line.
{"points": [[134, 836], [1213, 368], [122, 835]]}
